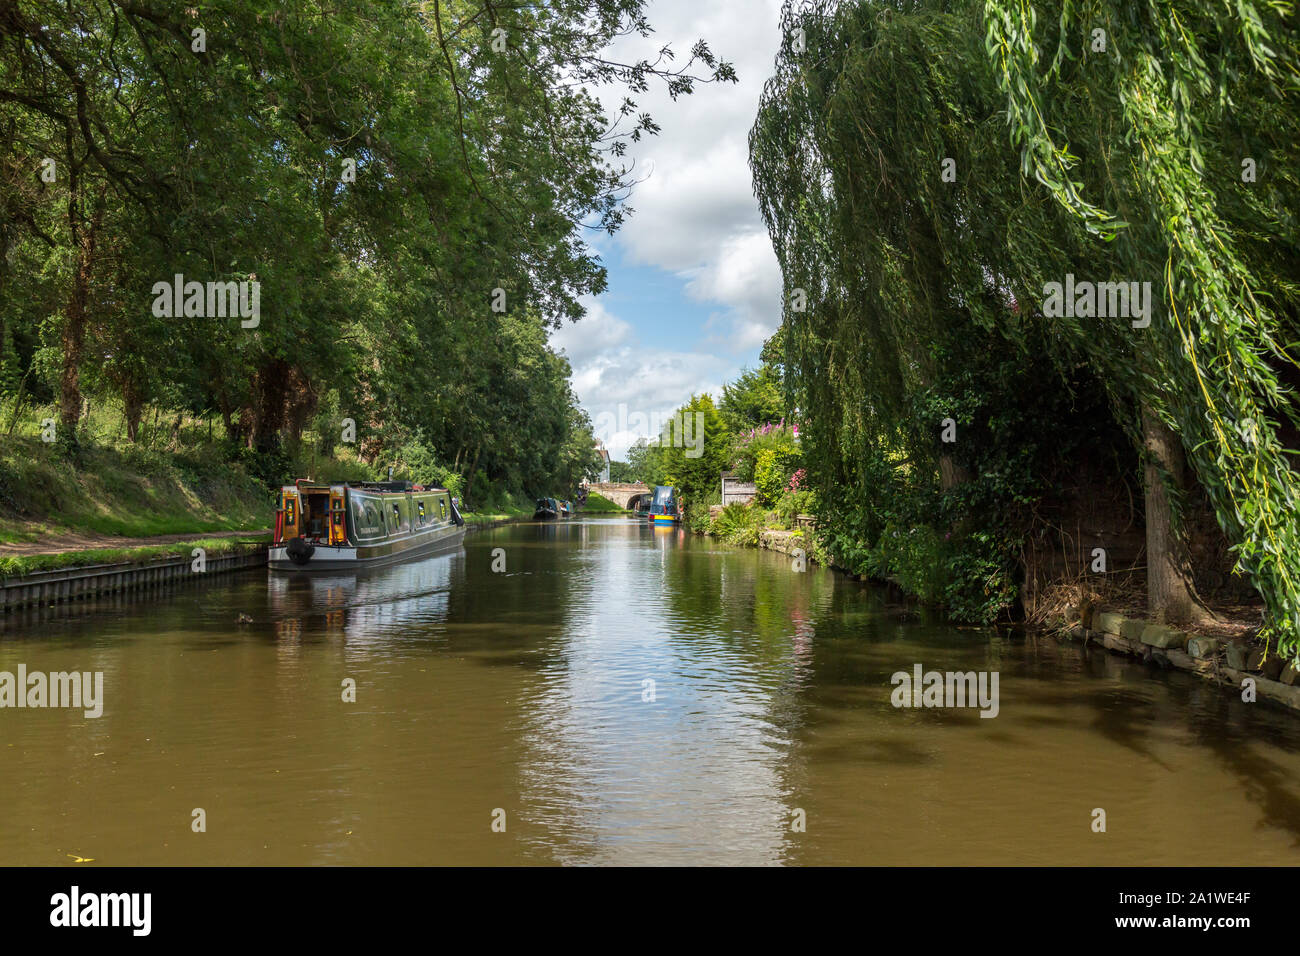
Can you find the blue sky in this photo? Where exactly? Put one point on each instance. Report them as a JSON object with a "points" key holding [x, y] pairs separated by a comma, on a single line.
{"points": [[652, 300], [694, 287]]}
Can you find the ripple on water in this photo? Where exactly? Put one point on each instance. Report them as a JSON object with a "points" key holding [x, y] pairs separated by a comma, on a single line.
{"points": [[529, 691]]}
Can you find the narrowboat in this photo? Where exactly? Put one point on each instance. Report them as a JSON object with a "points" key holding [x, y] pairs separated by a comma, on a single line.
{"points": [[339, 527], [663, 507], [547, 510]]}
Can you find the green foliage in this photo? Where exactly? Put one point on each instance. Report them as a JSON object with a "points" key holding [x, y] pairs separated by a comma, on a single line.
{"points": [[739, 524], [752, 400], [379, 169], [130, 491], [791, 504], [271, 466], [695, 449], [622, 472], [648, 463], [15, 565], [1124, 165], [418, 463], [597, 504], [769, 456], [775, 438]]}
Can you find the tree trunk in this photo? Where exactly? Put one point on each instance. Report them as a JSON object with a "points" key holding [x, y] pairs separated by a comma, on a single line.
{"points": [[1171, 593], [74, 328], [469, 479], [132, 409], [271, 389], [951, 474], [73, 339], [228, 422], [18, 402]]}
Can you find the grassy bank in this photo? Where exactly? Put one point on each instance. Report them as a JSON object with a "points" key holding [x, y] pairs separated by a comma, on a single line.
{"points": [[599, 504], [502, 509], [130, 491], [183, 477], [16, 565]]}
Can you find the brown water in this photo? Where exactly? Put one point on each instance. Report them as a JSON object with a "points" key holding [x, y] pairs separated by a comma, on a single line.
{"points": [[522, 691]]}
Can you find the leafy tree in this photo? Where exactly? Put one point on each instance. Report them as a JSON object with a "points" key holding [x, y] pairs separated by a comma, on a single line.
{"points": [[920, 235], [753, 400], [622, 472], [407, 183], [647, 462], [695, 450]]}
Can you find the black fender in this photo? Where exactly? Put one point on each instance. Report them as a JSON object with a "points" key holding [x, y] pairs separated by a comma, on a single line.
{"points": [[299, 551]]}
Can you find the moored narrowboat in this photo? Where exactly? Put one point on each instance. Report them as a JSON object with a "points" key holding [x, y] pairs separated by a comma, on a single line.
{"points": [[337, 527], [663, 507], [547, 510]]}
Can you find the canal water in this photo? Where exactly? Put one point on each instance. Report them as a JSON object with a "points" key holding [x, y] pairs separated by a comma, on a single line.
{"points": [[612, 694]]}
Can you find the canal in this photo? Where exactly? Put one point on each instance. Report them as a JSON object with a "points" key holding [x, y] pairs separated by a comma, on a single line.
{"points": [[613, 694]]}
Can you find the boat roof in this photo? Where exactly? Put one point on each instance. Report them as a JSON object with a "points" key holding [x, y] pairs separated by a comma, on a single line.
{"points": [[379, 486]]}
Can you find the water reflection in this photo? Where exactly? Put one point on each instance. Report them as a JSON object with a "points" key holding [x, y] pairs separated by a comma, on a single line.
{"points": [[628, 694], [365, 606]]}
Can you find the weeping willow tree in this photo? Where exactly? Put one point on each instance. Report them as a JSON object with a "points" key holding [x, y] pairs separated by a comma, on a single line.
{"points": [[925, 169]]}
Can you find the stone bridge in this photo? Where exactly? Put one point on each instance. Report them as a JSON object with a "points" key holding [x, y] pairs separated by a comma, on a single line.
{"points": [[623, 495]]}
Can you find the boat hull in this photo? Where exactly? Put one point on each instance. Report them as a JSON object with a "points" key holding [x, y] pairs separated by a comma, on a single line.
{"points": [[349, 557]]}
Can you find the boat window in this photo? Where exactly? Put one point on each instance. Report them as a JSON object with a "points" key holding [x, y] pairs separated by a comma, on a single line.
{"points": [[421, 512], [443, 505]]}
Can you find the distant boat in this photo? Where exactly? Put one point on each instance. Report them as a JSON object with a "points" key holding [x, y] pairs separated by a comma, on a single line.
{"points": [[548, 509], [663, 507], [324, 527]]}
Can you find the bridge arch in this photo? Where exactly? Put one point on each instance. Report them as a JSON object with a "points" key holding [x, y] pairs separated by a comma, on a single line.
{"points": [[623, 494]]}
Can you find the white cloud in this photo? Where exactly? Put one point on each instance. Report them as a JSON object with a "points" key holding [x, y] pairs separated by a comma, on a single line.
{"points": [[696, 214], [695, 217], [630, 393], [597, 332], [629, 390], [745, 277]]}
